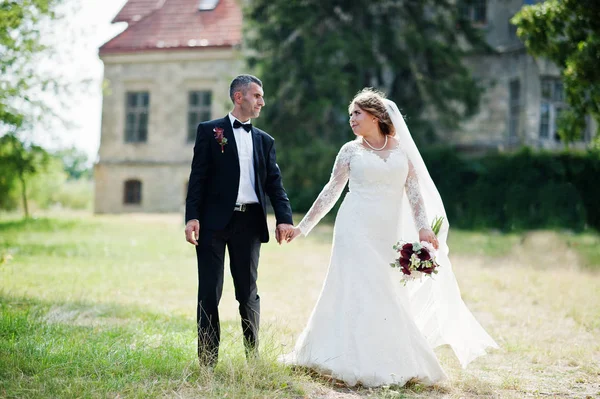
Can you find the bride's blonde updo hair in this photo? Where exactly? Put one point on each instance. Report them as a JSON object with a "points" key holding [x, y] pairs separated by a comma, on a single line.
{"points": [[371, 101]]}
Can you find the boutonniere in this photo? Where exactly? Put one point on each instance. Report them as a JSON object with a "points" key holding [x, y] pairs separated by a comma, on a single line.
{"points": [[222, 140]]}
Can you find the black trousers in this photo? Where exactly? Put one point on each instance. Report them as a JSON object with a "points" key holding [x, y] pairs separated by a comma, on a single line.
{"points": [[241, 236]]}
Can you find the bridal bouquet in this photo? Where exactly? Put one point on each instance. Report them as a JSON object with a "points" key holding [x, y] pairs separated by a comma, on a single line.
{"points": [[417, 259]]}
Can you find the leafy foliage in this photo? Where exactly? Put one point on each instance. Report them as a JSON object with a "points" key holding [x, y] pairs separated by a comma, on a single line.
{"points": [[314, 55], [526, 190], [20, 43], [568, 33], [75, 162]]}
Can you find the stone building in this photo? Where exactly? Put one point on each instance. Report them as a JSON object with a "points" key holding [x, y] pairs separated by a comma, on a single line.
{"points": [[524, 95], [171, 68]]}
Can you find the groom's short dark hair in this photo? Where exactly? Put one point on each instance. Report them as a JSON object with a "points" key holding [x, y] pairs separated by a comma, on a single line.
{"points": [[241, 83]]}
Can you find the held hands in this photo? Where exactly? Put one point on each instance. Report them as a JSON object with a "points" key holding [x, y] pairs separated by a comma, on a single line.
{"points": [[192, 231], [429, 236], [282, 231], [295, 233], [286, 233]]}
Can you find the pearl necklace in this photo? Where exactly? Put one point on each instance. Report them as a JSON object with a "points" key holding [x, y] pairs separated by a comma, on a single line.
{"points": [[377, 149]]}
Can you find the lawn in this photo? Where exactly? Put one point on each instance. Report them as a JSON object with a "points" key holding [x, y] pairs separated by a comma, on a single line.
{"points": [[104, 306]]}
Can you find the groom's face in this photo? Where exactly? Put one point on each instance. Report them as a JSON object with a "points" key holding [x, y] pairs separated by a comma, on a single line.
{"points": [[252, 101]]}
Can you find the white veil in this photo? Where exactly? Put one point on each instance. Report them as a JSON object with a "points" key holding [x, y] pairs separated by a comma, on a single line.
{"points": [[438, 308]]}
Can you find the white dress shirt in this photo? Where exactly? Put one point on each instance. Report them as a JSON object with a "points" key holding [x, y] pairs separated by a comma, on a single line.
{"points": [[243, 141]]}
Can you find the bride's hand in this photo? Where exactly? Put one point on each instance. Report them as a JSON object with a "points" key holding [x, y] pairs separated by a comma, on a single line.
{"points": [[295, 232], [429, 236]]}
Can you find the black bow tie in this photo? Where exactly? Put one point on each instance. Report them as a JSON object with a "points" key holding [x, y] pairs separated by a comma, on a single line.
{"points": [[237, 124]]}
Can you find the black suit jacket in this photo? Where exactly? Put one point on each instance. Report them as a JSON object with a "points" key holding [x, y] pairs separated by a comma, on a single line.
{"points": [[215, 178]]}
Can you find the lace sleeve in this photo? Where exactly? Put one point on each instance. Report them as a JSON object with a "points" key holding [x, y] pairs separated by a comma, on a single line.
{"points": [[413, 193], [331, 192]]}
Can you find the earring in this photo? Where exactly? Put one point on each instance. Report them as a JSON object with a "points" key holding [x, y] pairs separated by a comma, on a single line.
{"points": [[374, 119]]}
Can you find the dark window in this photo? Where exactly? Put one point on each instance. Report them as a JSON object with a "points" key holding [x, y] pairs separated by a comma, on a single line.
{"points": [[132, 192], [552, 104], [544, 120], [199, 103], [136, 123], [514, 109], [512, 31], [474, 10]]}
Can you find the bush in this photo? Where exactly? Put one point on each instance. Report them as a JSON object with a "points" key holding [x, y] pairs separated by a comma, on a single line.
{"points": [[524, 190], [517, 191]]}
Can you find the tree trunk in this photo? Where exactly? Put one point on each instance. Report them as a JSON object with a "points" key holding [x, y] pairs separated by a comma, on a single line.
{"points": [[24, 195]]}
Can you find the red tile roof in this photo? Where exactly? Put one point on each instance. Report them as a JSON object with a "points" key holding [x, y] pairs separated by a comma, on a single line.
{"points": [[175, 24], [134, 10]]}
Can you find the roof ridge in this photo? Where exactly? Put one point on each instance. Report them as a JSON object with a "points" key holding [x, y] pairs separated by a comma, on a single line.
{"points": [[158, 4], [155, 9], [176, 24]]}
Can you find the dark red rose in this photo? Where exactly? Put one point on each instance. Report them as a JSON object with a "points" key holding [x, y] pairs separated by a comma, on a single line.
{"points": [[404, 262], [424, 254], [218, 133], [406, 253], [407, 246], [406, 270]]}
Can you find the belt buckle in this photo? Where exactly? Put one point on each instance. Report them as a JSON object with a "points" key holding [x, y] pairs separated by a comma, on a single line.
{"points": [[240, 207]]}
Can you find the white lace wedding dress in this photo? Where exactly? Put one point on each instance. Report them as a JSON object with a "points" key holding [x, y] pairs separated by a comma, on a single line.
{"points": [[363, 328]]}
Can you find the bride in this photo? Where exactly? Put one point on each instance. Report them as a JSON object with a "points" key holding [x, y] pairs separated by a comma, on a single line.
{"points": [[367, 327]]}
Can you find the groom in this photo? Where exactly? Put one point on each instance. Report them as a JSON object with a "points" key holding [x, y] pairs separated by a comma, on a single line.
{"points": [[233, 170]]}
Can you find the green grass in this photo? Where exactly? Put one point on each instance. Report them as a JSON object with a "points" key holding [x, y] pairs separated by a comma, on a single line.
{"points": [[97, 307], [79, 350], [588, 246], [59, 358], [493, 244]]}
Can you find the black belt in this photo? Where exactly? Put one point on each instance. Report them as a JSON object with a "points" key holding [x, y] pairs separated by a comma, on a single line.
{"points": [[243, 207]]}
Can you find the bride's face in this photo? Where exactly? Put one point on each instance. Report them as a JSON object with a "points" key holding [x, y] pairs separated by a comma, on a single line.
{"points": [[361, 121]]}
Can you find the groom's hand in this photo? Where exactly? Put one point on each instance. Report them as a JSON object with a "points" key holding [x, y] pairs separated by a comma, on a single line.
{"points": [[192, 231], [282, 231]]}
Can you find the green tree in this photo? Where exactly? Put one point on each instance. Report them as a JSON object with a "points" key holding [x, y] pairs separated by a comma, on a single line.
{"points": [[314, 55], [21, 47], [20, 44], [570, 126], [20, 161], [567, 32], [75, 163]]}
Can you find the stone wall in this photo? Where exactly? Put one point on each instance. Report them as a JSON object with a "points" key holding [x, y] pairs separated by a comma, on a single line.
{"points": [[163, 187]]}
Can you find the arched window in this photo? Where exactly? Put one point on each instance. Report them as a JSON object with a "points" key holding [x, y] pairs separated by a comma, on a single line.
{"points": [[132, 193]]}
